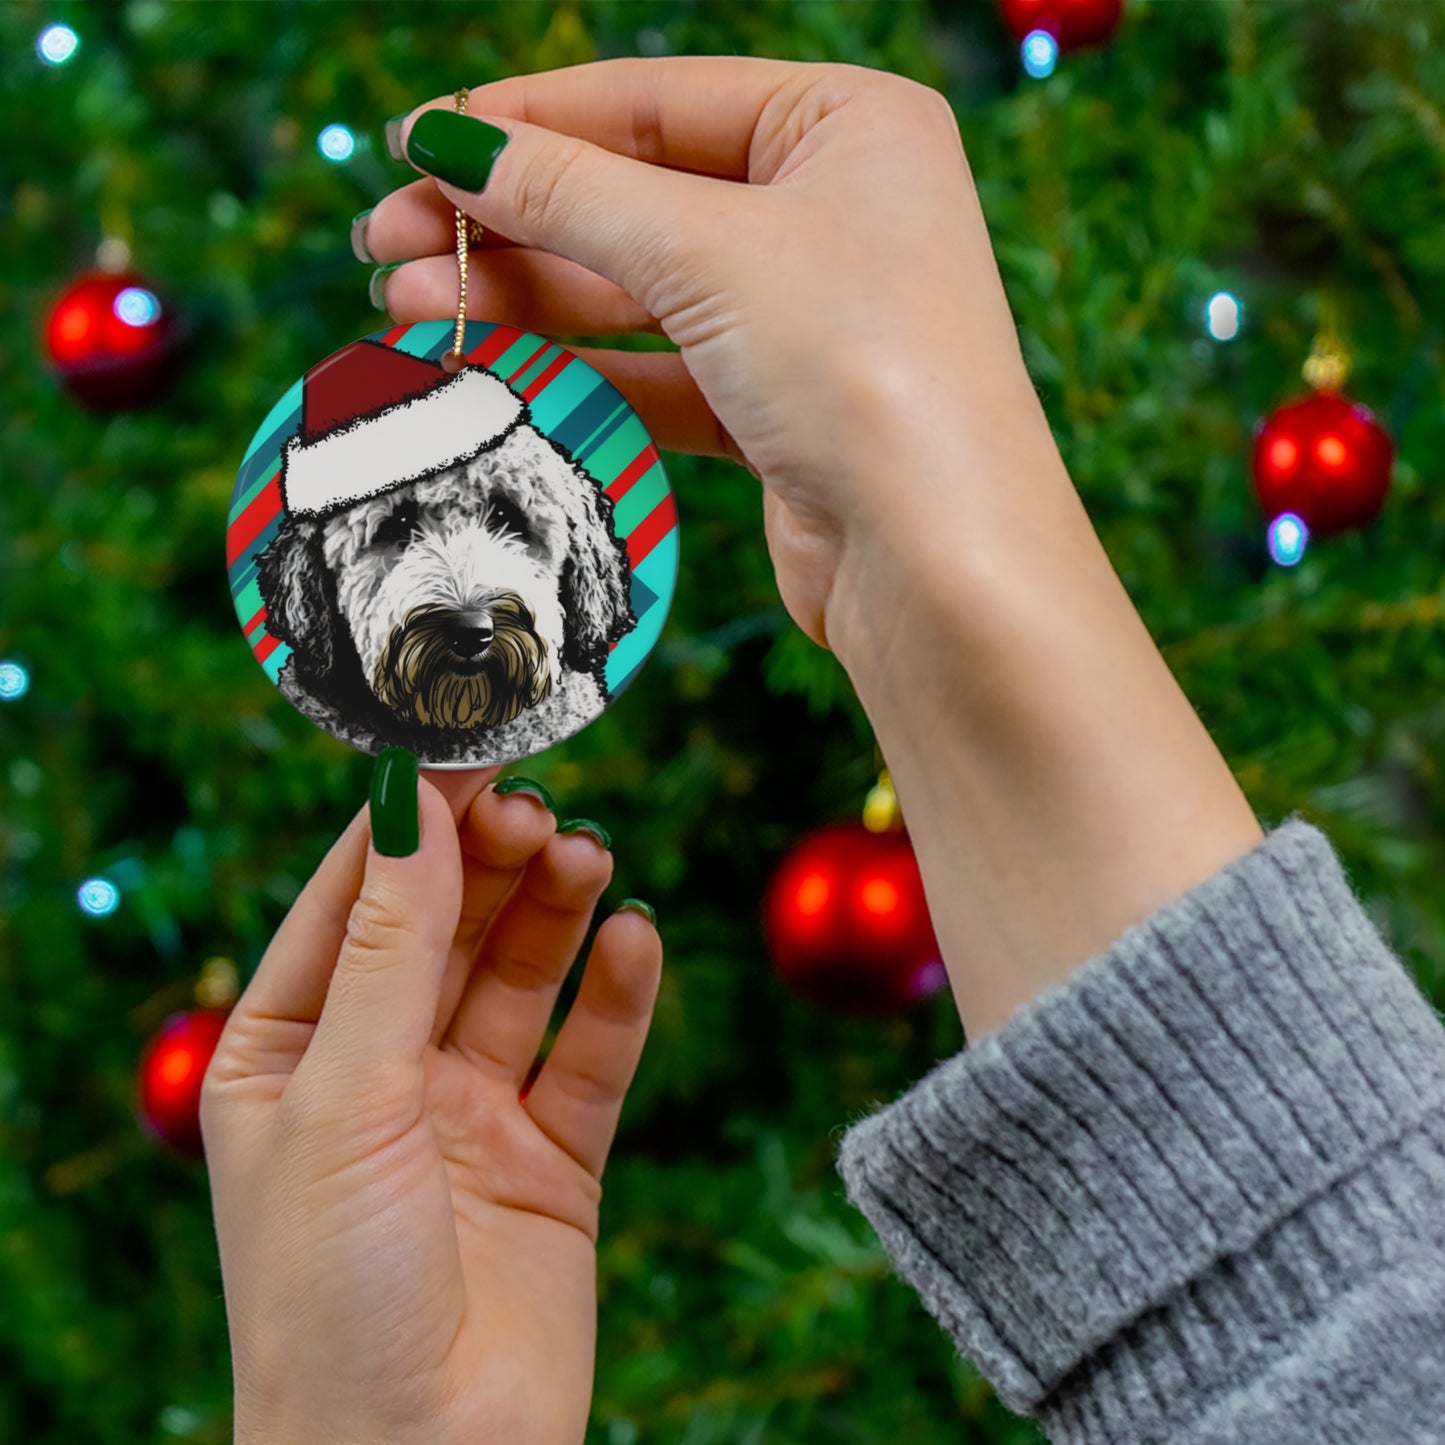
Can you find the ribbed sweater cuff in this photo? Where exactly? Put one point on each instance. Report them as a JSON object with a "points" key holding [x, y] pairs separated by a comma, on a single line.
{"points": [[1144, 1164]]}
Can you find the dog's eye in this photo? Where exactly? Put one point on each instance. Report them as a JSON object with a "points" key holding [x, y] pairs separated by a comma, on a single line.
{"points": [[505, 516], [398, 527]]}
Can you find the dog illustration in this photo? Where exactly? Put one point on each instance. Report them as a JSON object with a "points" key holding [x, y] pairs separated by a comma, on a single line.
{"points": [[464, 611]]}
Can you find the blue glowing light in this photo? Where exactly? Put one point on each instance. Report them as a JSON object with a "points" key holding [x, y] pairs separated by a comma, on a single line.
{"points": [[14, 681], [137, 307], [57, 44], [336, 143], [1288, 537], [1223, 316], [98, 897], [1040, 53]]}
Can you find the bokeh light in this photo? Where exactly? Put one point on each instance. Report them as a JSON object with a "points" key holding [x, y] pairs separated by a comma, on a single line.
{"points": [[57, 44], [1040, 52], [98, 897], [1288, 537], [14, 681], [137, 307], [1223, 316], [336, 143]]}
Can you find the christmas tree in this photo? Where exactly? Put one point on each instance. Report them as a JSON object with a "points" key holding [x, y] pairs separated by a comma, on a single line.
{"points": [[1212, 161]]}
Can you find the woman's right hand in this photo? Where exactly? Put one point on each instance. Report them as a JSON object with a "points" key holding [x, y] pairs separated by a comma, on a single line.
{"points": [[810, 237]]}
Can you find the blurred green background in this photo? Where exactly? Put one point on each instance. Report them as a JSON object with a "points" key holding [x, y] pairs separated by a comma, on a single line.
{"points": [[1287, 153]]}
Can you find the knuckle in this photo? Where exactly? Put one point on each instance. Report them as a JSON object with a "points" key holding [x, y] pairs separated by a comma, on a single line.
{"points": [[542, 188], [374, 933]]}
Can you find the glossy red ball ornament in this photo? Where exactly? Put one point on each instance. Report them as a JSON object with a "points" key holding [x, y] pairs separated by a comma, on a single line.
{"points": [[112, 341], [171, 1071], [1324, 458], [1073, 23], [847, 924]]}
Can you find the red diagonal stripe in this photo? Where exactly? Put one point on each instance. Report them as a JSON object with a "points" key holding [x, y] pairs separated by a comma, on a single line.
{"points": [[651, 530], [553, 367], [254, 520], [395, 334], [531, 360], [266, 646], [495, 344], [618, 486], [259, 617]]}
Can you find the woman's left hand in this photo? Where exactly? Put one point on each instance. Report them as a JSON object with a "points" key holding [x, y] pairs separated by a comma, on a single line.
{"points": [[407, 1235]]}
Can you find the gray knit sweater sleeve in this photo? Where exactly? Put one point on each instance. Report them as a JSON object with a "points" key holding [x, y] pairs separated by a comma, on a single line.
{"points": [[1196, 1192]]}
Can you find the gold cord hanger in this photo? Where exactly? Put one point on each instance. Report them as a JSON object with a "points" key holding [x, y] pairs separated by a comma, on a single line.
{"points": [[469, 233]]}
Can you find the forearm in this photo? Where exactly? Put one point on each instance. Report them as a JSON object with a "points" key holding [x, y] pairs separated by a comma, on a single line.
{"points": [[1056, 782]]}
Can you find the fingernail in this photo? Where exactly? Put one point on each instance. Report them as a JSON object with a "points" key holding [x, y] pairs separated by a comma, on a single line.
{"points": [[527, 786], [359, 247], [393, 136], [636, 905], [455, 148], [376, 287], [586, 825], [395, 821]]}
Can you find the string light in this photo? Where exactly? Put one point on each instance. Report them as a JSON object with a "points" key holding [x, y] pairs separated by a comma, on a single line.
{"points": [[14, 681], [1040, 52], [98, 897], [136, 306], [1223, 316], [336, 143], [1288, 537], [57, 44]]}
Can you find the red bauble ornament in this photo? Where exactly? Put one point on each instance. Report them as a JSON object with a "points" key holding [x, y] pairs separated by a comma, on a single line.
{"points": [[1324, 458], [112, 341], [847, 923], [171, 1071], [1073, 23]]}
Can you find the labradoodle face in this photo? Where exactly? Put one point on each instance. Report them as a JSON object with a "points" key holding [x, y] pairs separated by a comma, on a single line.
{"points": [[464, 595]]}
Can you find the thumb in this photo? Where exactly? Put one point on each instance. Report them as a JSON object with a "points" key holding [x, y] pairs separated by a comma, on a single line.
{"points": [[382, 1000], [633, 223]]}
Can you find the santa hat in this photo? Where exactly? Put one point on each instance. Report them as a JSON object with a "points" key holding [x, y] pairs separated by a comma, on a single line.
{"points": [[374, 419]]}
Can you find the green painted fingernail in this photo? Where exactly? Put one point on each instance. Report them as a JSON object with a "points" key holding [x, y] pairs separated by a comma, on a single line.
{"points": [[455, 148], [376, 288], [636, 905], [530, 788], [586, 825], [395, 820], [359, 248], [392, 131]]}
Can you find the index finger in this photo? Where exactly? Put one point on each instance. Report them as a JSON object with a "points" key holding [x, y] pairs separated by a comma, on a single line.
{"points": [[695, 113]]}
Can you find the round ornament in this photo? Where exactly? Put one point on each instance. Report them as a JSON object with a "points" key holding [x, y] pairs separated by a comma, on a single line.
{"points": [[172, 1070], [111, 341], [1072, 23], [1325, 459], [466, 547], [847, 924]]}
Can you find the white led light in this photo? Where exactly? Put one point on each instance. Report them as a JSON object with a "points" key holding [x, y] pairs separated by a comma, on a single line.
{"points": [[14, 681], [98, 897], [336, 143], [57, 44], [137, 307], [1040, 52], [1223, 316], [1288, 537]]}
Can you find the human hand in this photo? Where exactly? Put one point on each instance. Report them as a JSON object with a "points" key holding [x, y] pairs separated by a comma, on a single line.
{"points": [[407, 1246], [847, 294]]}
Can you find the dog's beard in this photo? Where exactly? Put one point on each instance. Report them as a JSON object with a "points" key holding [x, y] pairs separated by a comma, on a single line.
{"points": [[421, 679]]}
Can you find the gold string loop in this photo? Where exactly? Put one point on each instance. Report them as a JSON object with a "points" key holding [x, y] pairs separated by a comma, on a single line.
{"points": [[469, 232]]}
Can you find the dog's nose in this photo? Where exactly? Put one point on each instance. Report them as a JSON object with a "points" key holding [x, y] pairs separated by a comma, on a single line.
{"points": [[470, 639]]}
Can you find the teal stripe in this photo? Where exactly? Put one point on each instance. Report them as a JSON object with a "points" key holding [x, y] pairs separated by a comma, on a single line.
{"points": [[422, 337], [561, 396], [248, 602], [276, 661], [266, 474], [516, 354], [278, 413], [595, 437], [642, 496], [537, 368], [640, 641], [619, 451], [658, 570]]}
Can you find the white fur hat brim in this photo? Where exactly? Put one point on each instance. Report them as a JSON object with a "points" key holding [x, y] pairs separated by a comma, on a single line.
{"points": [[387, 449]]}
